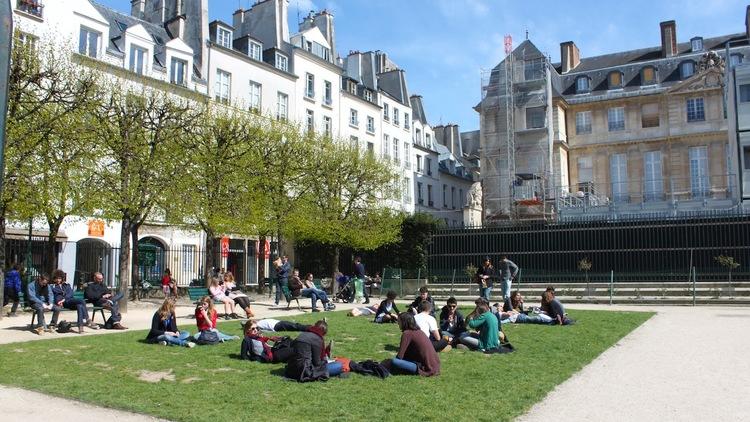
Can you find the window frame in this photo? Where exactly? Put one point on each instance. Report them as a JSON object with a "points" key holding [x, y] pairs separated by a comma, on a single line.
{"points": [[370, 124], [224, 37], [309, 85], [531, 119], [683, 74], [252, 47], [353, 117], [698, 110], [256, 98], [137, 51], [610, 84], [655, 78], [84, 48], [173, 71], [282, 107], [223, 83], [281, 62], [583, 125], [583, 89], [615, 125]]}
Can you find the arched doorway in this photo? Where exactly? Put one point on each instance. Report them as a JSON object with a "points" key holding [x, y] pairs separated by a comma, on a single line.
{"points": [[151, 259], [94, 255]]}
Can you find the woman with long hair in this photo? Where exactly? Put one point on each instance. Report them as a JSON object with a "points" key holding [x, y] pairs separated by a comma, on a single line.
{"points": [[231, 290], [416, 355], [164, 327], [218, 292], [205, 318]]}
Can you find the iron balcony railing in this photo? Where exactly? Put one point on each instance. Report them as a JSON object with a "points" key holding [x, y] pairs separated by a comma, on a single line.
{"points": [[33, 7]]}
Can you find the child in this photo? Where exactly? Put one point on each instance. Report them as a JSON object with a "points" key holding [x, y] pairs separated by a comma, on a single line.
{"points": [[387, 311], [205, 318], [168, 285], [164, 327]]}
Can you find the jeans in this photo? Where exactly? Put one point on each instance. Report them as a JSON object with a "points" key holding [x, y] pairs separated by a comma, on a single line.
{"points": [[280, 282], [39, 309], [525, 319], [335, 368], [404, 365], [180, 340], [290, 326], [11, 295], [505, 288], [485, 292], [80, 306], [223, 337], [314, 295], [115, 302], [471, 341]]}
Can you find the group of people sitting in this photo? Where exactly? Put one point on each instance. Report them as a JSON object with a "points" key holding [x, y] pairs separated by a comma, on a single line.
{"points": [[59, 295], [165, 332], [224, 289]]}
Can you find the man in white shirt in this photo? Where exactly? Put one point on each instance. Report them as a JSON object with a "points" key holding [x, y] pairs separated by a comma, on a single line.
{"points": [[429, 327]]}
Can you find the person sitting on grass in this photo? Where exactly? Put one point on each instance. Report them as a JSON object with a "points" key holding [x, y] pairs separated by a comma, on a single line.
{"points": [[309, 290], [424, 295], [41, 298], [234, 293], [516, 314], [452, 324], [387, 311], [205, 318], [64, 298], [309, 362], [429, 327], [555, 309], [415, 352], [218, 293], [100, 295], [164, 327], [255, 346], [269, 324], [485, 322]]}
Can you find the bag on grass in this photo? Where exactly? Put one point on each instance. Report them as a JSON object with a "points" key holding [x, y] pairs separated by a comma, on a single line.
{"points": [[282, 343], [207, 338], [64, 327]]}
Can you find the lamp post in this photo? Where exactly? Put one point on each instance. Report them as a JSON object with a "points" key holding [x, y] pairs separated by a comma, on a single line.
{"points": [[6, 32]]}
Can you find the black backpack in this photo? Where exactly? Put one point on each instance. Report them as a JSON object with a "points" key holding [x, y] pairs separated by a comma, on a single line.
{"points": [[207, 338], [64, 327]]}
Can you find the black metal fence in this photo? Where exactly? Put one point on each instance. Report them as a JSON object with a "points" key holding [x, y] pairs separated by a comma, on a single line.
{"points": [[637, 250]]}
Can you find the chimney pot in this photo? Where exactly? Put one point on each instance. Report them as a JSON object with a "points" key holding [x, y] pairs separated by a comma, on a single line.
{"points": [[668, 38], [570, 56]]}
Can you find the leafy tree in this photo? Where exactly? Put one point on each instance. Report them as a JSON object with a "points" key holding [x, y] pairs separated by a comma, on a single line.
{"points": [[729, 263], [585, 265]]}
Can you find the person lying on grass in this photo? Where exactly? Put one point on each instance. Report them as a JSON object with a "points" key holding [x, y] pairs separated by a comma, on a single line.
{"points": [[416, 355], [164, 327], [269, 324], [516, 314], [452, 324], [205, 318], [256, 347], [424, 295], [309, 361], [429, 327], [387, 311], [363, 311]]}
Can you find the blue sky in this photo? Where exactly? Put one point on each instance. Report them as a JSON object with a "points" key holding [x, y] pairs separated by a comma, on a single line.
{"points": [[444, 44]]}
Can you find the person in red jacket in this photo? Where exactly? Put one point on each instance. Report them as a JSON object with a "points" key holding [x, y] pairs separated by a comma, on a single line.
{"points": [[205, 318]]}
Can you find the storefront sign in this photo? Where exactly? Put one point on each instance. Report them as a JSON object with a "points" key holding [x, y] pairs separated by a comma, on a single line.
{"points": [[96, 228]]}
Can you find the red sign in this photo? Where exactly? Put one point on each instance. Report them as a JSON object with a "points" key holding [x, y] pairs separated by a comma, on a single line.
{"points": [[267, 249], [224, 247], [96, 228]]}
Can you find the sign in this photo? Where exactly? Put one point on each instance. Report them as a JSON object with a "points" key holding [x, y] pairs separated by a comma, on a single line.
{"points": [[96, 228], [267, 249], [224, 247]]}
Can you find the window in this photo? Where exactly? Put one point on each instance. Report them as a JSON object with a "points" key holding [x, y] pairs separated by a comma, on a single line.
{"points": [[33, 7], [368, 95], [453, 197], [178, 72], [698, 171], [583, 122], [327, 126], [310, 85], [429, 196], [407, 190], [420, 199], [370, 148], [354, 141], [653, 185], [533, 69], [418, 136], [256, 92], [687, 69], [352, 87], [445, 196], [461, 197], [396, 117], [428, 140], [282, 106], [745, 93], [616, 118], [370, 124], [310, 122], [386, 113], [585, 170], [282, 62], [419, 164], [696, 44], [223, 86], [582, 84], [386, 146], [735, 59], [615, 80], [407, 121], [353, 117], [88, 42], [224, 38], [254, 50], [650, 115], [746, 157], [396, 157], [428, 165], [137, 59], [327, 92], [618, 176], [648, 76], [535, 117], [27, 41], [188, 258], [695, 111], [407, 155]]}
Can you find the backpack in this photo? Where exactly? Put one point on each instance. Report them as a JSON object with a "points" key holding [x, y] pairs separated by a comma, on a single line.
{"points": [[207, 338], [282, 343], [64, 327]]}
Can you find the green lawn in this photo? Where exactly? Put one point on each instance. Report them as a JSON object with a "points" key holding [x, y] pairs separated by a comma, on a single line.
{"points": [[208, 382]]}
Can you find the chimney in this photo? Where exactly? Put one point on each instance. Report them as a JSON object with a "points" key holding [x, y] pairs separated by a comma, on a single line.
{"points": [[176, 27], [324, 22], [668, 38], [138, 8], [307, 22], [238, 19], [570, 56], [747, 22]]}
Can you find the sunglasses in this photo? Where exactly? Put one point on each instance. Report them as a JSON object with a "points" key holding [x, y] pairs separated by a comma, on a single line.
{"points": [[452, 306]]}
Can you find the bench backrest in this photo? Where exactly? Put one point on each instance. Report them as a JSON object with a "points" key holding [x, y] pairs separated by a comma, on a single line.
{"points": [[196, 293]]}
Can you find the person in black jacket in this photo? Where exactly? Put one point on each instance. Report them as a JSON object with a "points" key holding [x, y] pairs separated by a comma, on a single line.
{"points": [[423, 296], [255, 346], [452, 324], [63, 297], [100, 295], [486, 277], [387, 311], [164, 327], [310, 359]]}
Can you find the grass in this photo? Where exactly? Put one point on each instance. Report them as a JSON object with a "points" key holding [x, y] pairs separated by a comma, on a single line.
{"points": [[210, 383]]}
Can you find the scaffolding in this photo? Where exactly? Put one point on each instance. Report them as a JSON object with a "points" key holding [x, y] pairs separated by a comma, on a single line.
{"points": [[516, 136]]}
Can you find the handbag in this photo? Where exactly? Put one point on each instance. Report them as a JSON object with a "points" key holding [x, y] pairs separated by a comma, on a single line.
{"points": [[207, 338]]}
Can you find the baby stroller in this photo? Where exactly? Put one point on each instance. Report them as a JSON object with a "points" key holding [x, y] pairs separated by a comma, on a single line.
{"points": [[345, 291]]}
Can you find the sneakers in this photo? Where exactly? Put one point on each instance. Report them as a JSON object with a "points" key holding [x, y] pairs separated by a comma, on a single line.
{"points": [[162, 343], [234, 316], [448, 348], [118, 326], [190, 345], [93, 326], [39, 330]]}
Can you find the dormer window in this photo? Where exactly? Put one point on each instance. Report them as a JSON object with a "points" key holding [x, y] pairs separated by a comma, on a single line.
{"points": [[178, 72], [254, 50], [687, 69], [696, 44], [582, 85], [615, 79], [224, 37], [648, 75], [735, 59], [368, 95], [352, 87], [137, 59], [88, 42], [282, 62]]}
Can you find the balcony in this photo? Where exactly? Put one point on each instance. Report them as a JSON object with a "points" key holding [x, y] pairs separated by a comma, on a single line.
{"points": [[32, 7]]}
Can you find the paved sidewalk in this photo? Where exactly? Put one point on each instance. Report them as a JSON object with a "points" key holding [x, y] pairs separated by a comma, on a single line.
{"points": [[685, 363]]}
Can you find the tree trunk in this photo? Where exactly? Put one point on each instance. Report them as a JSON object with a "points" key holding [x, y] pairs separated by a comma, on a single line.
{"points": [[335, 266], [124, 269], [210, 254], [50, 249], [134, 276]]}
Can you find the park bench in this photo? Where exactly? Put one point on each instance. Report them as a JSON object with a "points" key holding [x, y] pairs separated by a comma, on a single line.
{"points": [[78, 294], [289, 297]]}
